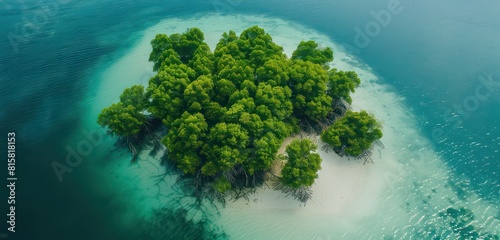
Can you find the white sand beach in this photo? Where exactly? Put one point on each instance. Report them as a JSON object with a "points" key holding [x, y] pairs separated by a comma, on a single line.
{"points": [[404, 189]]}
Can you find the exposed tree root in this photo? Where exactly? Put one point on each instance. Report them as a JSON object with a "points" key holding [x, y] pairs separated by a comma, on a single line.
{"points": [[302, 194]]}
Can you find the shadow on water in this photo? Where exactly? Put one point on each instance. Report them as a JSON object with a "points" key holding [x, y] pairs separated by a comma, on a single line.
{"points": [[43, 84], [176, 224], [42, 87]]}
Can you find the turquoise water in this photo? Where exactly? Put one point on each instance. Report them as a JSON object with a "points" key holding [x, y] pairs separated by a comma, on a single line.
{"points": [[58, 73]]}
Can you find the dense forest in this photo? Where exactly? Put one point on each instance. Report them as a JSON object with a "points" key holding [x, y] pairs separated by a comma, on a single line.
{"points": [[226, 113]]}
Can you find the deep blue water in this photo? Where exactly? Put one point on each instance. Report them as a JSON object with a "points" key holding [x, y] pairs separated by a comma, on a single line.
{"points": [[433, 53]]}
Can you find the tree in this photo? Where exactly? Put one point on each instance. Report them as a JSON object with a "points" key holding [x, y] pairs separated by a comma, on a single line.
{"points": [[353, 134], [277, 99], [166, 90], [258, 46], [227, 112], [125, 118], [308, 84], [341, 84], [233, 70], [224, 89], [161, 45], [223, 148], [229, 44], [181, 47], [266, 148], [274, 72], [187, 43], [121, 120], [185, 140], [134, 96], [203, 61], [221, 184], [302, 166], [311, 52], [198, 94]]}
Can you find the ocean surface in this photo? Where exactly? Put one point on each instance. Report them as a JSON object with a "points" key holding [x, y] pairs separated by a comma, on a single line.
{"points": [[434, 66]]}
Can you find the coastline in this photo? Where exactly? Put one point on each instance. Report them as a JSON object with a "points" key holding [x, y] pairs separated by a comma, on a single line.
{"points": [[339, 186], [399, 194]]}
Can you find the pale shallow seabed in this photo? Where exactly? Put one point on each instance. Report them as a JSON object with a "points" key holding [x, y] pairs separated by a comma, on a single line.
{"points": [[398, 197]]}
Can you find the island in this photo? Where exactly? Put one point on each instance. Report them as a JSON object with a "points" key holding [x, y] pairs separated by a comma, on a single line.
{"points": [[220, 117]]}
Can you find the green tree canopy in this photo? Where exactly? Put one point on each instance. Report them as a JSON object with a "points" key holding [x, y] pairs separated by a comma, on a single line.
{"points": [[203, 61], [341, 84], [302, 166], [198, 94], [274, 72], [311, 52], [135, 96], [227, 112], [125, 118], [180, 47], [185, 140], [223, 148], [122, 120], [308, 84], [277, 99], [353, 133], [166, 90]]}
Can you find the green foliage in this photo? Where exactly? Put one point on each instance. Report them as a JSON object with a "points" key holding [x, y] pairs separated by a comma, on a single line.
{"points": [[341, 84], [125, 118], [227, 112], [121, 120], [266, 148], [203, 61], [302, 166], [185, 139], [175, 48], [274, 72], [223, 148], [258, 46], [311, 52], [355, 132], [221, 184], [308, 84], [134, 96], [198, 94], [277, 99], [166, 90]]}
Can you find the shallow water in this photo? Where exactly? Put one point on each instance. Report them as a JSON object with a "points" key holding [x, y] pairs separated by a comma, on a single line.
{"points": [[80, 59]]}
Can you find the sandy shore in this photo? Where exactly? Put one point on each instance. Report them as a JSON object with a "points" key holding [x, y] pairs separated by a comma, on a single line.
{"points": [[396, 197], [341, 188]]}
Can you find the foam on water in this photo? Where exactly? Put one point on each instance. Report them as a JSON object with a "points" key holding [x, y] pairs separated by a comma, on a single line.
{"points": [[398, 197]]}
